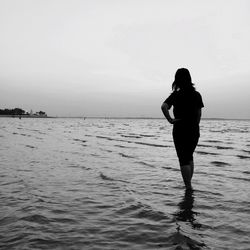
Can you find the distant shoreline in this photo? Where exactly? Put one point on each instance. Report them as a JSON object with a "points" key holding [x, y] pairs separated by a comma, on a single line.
{"points": [[115, 118], [26, 116]]}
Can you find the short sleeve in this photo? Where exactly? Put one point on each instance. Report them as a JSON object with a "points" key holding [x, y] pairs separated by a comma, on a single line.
{"points": [[170, 100], [199, 101]]}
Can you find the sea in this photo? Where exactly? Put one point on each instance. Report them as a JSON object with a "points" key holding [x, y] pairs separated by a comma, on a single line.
{"points": [[74, 183]]}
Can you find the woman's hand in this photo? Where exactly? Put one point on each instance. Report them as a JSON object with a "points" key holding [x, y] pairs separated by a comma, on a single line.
{"points": [[173, 121]]}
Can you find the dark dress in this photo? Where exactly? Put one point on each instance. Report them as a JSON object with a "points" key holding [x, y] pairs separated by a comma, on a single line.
{"points": [[186, 132]]}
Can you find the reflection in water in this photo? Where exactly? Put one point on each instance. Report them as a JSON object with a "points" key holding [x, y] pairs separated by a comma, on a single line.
{"points": [[186, 212]]}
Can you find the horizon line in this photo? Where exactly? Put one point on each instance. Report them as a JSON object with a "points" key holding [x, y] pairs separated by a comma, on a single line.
{"points": [[139, 117], [115, 117]]}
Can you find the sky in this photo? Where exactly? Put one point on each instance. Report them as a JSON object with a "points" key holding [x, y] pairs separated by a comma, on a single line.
{"points": [[118, 57]]}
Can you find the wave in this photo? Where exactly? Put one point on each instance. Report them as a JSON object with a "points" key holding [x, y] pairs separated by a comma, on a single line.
{"points": [[44, 242], [246, 151], [142, 211], [215, 147], [150, 214], [213, 141], [78, 166], [12, 182], [107, 138], [243, 157], [229, 131], [153, 145], [58, 211], [80, 140], [220, 163], [122, 146], [24, 170], [246, 172], [205, 145], [145, 164], [126, 156], [135, 142], [206, 153], [29, 146], [34, 162], [129, 209], [208, 192], [223, 147], [240, 178], [144, 135], [131, 136], [172, 169], [218, 131], [39, 138], [106, 150], [64, 220], [42, 133], [36, 218], [25, 135], [108, 178], [95, 155]]}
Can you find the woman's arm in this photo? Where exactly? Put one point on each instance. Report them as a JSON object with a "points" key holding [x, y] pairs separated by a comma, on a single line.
{"points": [[165, 111], [199, 116]]}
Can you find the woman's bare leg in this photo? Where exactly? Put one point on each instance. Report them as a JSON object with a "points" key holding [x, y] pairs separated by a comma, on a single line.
{"points": [[187, 172], [192, 168]]}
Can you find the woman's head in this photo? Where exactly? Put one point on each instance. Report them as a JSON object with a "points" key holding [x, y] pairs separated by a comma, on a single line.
{"points": [[183, 80]]}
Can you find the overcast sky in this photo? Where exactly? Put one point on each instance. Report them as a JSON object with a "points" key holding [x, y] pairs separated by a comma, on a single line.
{"points": [[119, 57]]}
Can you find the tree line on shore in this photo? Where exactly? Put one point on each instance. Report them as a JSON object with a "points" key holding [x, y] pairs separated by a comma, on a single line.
{"points": [[20, 112]]}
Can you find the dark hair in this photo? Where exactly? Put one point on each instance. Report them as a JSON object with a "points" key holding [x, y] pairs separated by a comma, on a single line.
{"points": [[183, 80]]}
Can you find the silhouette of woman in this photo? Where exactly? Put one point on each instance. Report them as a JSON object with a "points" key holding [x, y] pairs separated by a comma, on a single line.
{"points": [[187, 104]]}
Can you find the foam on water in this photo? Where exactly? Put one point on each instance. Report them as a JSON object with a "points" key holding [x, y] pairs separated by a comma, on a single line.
{"points": [[116, 184]]}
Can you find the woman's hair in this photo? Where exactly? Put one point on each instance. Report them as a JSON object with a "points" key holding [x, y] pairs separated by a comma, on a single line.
{"points": [[183, 80]]}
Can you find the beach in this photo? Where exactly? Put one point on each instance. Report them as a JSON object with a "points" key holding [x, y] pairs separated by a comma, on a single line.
{"points": [[115, 184]]}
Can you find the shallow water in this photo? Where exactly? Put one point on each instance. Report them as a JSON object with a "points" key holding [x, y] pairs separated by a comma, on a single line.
{"points": [[116, 184]]}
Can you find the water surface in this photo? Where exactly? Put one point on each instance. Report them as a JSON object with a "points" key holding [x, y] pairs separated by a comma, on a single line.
{"points": [[116, 184]]}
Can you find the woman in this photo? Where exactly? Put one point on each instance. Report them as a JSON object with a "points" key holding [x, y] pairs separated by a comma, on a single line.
{"points": [[187, 103]]}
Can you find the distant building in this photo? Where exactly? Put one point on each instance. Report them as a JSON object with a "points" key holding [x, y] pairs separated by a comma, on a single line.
{"points": [[41, 113]]}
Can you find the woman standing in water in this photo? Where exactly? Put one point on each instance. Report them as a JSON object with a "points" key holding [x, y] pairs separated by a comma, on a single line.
{"points": [[187, 103]]}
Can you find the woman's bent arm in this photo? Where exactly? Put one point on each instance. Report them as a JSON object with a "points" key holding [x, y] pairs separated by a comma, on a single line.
{"points": [[165, 108]]}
